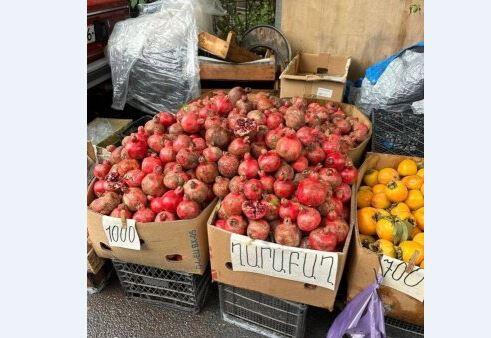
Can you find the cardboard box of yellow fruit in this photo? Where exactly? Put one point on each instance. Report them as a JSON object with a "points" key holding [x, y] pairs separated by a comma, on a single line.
{"points": [[388, 213]]}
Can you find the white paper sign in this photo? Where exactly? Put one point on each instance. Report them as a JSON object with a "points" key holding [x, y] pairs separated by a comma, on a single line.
{"points": [[395, 276], [324, 92], [298, 264], [117, 235]]}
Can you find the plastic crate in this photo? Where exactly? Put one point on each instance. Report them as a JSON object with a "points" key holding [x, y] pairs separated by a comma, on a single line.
{"points": [[260, 313], [399, 329], [180, 290], [398, 133]]}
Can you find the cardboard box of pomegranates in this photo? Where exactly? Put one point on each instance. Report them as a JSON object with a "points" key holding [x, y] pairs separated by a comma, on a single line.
{"points": [[293, 273], [402, 290], [179, 245]]}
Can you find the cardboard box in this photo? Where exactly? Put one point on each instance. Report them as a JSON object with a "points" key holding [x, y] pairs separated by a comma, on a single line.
{"points": [[315, 75], [221, 271], [178, 245], [364, 263]]}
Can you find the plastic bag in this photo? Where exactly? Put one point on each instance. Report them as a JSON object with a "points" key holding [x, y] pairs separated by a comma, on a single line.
{"points": [[153, 59], [362, 317]]}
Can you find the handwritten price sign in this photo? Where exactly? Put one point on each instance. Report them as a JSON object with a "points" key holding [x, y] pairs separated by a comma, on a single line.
{"points": [[298, 264], [119, 235], [395, 276]]}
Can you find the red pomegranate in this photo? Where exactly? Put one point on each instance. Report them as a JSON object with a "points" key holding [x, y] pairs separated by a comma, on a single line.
{"points": [[287, 233], [323, 240], [311, 191], [308, 219], [248, 167], [258, 229]]}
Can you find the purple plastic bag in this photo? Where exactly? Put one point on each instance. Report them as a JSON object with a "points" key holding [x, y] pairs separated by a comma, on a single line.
{"points": [[362, 317]]}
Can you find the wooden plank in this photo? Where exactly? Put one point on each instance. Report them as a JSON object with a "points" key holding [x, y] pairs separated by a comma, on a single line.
{"points": [[239, 72], [227, 50], [366, 30]]}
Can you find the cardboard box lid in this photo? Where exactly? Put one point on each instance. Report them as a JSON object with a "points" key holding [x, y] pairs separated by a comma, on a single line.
{"points": [[317, 67]]}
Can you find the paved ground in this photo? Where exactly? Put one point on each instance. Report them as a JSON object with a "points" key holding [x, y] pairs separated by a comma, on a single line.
{"points": [[110, 314]]}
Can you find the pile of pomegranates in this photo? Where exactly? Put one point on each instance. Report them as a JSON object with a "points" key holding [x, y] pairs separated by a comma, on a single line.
{"points": [[280, 167]]}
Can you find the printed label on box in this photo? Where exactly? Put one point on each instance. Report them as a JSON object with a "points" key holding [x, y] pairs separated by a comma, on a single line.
{"points": [[120, 236], [297, 264], [324, 92], [395, 276]]}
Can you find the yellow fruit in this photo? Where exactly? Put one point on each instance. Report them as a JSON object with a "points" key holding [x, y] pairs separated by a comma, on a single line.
{"points": [[378, 188], [415, 199], [380, 201], [420, 238], [399, 207], [364, 198], [407, 216], [419, 216], [414, 232], [407, 167], [367, 220], [387, 175], [396, 191], [412, 182], [365, 187], [382, 213], [370, 177], [384, 247], [421, 173], [422, 264], [385, 228], [422, 189], [407, 249]]}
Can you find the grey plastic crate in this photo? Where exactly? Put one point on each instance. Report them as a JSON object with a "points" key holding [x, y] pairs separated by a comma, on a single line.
{"points": [[180, 290], [399, 329], [260, 313]]}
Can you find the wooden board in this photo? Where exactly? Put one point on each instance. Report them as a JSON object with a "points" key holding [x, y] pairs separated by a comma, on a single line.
{"points": [[366, 30], [238, 71], [227, 50]]}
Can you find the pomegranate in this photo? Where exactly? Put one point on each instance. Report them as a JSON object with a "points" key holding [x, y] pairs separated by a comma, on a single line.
{"points": [[166, 118], [153, 126], [156, 205], [222, 104], [235, 224], [220, 187], [228, 165], [212, 154], [116, 155], [175, 178], [243, 126], [315, 154], [257, 148], [232, 204], [153, 184], [288, 209], [134, 199], [360, 132], [311, 191], [144, 215], [331, 209], [156, 141], [187, 158], [236, 93], [133, 178], [269, 161], [239, 146], [283, 189], [244, 104], [254, 209], [188, 209], [308, 219], [196, 190], [294, 118], [102, 169], [285, 172], [253, 189], [258, 229], [236, 184], [213, 120], [266, 181], [220, 223], [343, 125], [287, 233], [121, 211], [273, 205], [152, 164], [199, 143], [322, 239], [331, 176], [343, 192], [257, 116], [274, 119], [300, 164], [191, 123], [336, 160], [272, 136], [307, 135], [125, 165], [165, 216], [137, 146], [264, 103], [182, 142], [167, 153], [217, 136], [99, 188], [171, 199], [175, 129], [332, 143], [349, 175], [338, 227], [248, 167], [106, 203], [289, 147], [206, 172]]}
